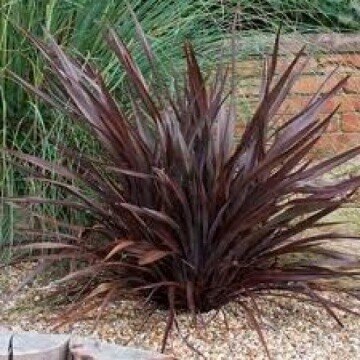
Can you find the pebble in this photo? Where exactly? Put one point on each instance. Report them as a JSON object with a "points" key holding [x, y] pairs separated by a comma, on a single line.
{"points": [[293, 330]]}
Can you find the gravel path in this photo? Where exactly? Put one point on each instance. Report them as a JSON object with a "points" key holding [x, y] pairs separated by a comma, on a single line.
{"points": [[293, 330]]}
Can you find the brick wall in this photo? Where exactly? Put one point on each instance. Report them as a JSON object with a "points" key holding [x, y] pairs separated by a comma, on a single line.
{"points": [[344, 130]]}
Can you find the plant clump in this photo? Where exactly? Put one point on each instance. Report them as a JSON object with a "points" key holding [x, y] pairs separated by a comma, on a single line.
{"points": [[184, 216]]}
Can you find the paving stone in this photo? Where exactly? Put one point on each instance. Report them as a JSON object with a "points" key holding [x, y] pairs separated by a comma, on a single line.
{"points": [[34, 346], [88, 349], [5, 338]]}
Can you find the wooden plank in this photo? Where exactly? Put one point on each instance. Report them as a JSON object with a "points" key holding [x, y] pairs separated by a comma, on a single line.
{"points": [[89, 349], [34, 346]]}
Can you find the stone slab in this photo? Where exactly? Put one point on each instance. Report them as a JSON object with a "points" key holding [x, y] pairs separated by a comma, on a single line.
{"points": [[89, 349], [34, 346], [5, 338]]}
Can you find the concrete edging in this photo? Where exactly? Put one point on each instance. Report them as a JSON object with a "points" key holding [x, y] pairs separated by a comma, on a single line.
{"points": [[35, 346]]}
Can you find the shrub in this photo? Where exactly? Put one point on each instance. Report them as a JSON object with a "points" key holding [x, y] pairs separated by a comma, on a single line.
{"points": [[184, 216]]}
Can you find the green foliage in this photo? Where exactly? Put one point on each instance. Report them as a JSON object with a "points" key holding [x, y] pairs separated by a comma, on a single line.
{"points": [[183, 216], [77, 25]]}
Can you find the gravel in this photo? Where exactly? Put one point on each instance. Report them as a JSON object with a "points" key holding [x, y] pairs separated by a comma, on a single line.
{"points": [[293, 329]]}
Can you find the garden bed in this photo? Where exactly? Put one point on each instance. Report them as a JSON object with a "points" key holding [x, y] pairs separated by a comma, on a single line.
{"points": [[294, 330], [169, 229]]}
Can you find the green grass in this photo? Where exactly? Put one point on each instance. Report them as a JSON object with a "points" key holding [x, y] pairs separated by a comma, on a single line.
{"points": [[79, 26]]}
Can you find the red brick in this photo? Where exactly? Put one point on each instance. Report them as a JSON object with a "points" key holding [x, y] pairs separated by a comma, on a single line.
{"points": [[297, 103], [329, 106], [353, 85], [349, 60], [307, 84], [334, 124], [310, 67], [254, 67], [293, 104], [350, 122], [310, 84], [332, 143], [239, 128], [322, 149], [278, 120], [349, 102], [354, 60], [328, 145]]}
